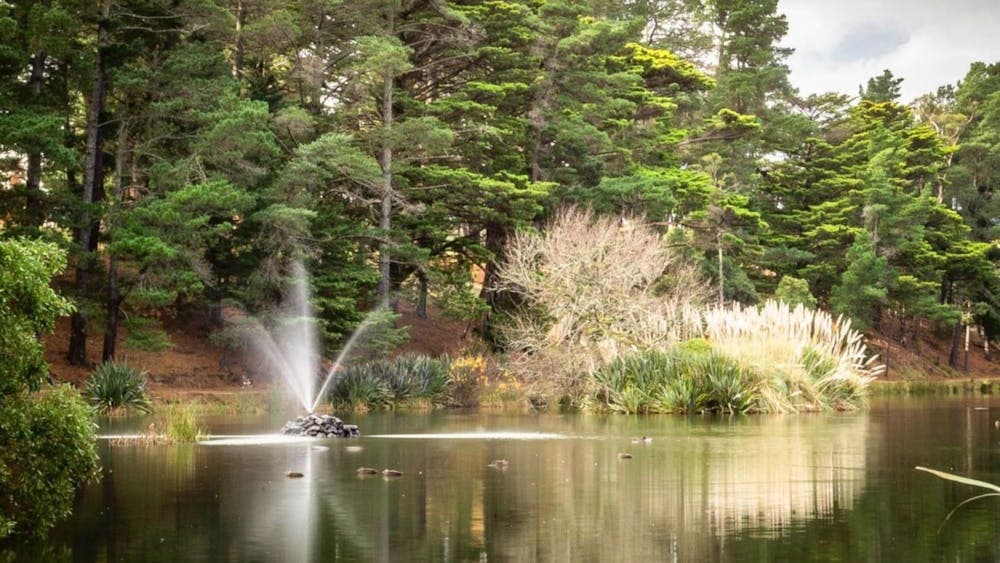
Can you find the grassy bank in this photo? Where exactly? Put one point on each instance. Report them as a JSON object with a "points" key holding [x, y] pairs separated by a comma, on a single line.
{"points": [[506, 393], [242, 402], [935, 387]]}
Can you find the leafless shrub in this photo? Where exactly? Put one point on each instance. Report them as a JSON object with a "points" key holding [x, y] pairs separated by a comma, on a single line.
{"points": [[589, 287]]}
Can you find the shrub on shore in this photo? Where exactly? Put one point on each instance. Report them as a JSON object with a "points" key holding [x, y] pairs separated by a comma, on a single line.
{"points": [[768, 359], [47, 441], [406, 380], [592, 287], [682, 380], [468, 381], [609, 311], [809, 359], [423, 376], [502, 392], [117, 387], [359, 388]]}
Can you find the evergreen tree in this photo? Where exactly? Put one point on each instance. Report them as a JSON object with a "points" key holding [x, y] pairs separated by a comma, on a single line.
{"points": [[968, 186], [881, 88], [38, 56], [861, 291]]}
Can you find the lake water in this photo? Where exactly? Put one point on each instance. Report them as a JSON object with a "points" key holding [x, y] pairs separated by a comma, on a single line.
{"points": [[817, 487]]}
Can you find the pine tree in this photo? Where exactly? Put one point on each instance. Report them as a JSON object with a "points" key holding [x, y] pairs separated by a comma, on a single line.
{"points": [[861, 291]]}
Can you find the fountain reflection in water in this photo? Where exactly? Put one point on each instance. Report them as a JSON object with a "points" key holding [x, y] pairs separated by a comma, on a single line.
{"points": [[291, 349]]}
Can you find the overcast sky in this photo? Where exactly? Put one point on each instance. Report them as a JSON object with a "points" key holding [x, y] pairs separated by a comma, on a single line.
{"points": [[840, 44]]}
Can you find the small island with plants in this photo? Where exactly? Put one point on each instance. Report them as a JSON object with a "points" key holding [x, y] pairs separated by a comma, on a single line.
{"points": [[405, 279]]}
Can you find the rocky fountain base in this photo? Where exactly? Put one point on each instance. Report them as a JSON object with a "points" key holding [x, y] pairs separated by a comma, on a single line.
{"points": [[320, 426]]}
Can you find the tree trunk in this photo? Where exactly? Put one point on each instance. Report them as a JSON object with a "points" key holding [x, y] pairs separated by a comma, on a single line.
{"points": [[33, 182], [385, 161], [114, 299], [541, 104], [422, 295], [722, 297], [538, 118], [499, 302], [496, 237], [534, 166], [93, 190], [69, 135], [956, 335], [238, 49], [965, 367], [112, 306], [940, 184], [888, 353]]}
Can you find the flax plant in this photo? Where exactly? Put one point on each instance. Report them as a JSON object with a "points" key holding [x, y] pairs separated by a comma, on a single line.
{"points": [[406, 381]]}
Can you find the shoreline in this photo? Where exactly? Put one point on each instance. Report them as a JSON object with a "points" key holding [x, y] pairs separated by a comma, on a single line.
{"points": [[263, 400], [955, 386]]}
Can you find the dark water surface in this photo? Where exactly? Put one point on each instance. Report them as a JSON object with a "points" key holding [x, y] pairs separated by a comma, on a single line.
{"points": [[823, 487]]}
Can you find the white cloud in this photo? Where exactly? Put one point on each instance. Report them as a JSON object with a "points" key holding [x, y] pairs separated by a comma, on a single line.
{"points": [[928, 43]]}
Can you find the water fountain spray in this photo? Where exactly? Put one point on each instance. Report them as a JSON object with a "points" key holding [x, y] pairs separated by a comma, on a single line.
{"points": [[292, 351]]}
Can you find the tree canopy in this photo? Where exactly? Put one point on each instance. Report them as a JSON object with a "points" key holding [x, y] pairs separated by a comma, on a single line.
{"points": [[186, 152]]}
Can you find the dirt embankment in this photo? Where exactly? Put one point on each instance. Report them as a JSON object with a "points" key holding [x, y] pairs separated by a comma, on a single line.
{"points": [[928, 358], [193, 362], [194, 365]]}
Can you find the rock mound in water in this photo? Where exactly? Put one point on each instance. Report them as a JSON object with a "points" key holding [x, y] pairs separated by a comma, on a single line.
{"points": [[320, 426]]}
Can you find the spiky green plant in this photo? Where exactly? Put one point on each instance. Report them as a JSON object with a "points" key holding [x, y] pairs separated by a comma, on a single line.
{"points": [[625, 384], [682, 394], [392, 383], [430, 376], [360, 387], [730, 387], [116, 387], [686, 379], [399, 382], [632, 399]]}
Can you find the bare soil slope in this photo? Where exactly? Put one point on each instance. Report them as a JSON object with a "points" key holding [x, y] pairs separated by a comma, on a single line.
{"points": [[194, 364], [928, 358]]}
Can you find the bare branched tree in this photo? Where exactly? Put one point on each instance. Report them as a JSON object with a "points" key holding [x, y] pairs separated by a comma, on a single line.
{"points": [[593, 287]]}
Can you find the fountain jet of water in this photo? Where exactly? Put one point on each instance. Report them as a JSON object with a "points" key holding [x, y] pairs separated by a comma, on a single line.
{"points": [[298, 336], [273, 356], [292, 350], [340, 358]]}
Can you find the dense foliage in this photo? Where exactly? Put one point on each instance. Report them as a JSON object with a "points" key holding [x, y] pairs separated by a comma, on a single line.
{"points": [[47, 443], [773, 359], [683, 380], [187, 152]]}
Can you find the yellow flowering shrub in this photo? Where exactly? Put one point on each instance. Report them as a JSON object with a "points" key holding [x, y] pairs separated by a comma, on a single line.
{"points": [[504, 391], [468, 376]]}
